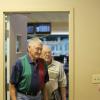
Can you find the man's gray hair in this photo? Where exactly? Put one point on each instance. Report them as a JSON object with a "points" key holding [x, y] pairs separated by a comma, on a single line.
{"points": [[34, 40]]}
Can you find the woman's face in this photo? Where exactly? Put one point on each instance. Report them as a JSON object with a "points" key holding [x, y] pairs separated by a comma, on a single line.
{"points": [[47, 55]]}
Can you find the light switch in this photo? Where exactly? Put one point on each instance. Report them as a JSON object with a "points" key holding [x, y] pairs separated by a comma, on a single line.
{"points": [[96, 78]]}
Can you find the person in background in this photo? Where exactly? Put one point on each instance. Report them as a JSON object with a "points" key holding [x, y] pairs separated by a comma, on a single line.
{"points": [[29, 75], [57, 79]]}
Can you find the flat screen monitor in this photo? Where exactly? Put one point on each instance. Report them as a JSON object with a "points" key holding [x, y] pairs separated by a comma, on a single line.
{"points": [[39, 28]]}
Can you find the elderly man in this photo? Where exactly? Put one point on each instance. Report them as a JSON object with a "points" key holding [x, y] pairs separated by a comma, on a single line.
{"points": [[57, 79], [29, 75]]}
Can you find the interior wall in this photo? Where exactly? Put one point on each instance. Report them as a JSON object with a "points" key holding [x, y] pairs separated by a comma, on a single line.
{"points": [[59, 28], [18, 27], [86, 40], [87, 47]]}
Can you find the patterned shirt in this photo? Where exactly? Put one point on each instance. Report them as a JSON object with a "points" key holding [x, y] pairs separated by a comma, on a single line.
{"points": [[57, 77]]}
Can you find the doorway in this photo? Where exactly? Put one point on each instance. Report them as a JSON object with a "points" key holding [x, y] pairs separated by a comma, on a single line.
{"points": [[18, 31]]}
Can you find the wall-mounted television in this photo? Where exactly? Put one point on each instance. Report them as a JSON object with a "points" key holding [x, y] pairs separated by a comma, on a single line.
{"points": [[39, 28], [30, 28]]}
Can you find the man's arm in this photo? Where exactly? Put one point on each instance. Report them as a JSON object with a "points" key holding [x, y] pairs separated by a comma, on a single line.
{"points": [[45, 93], [13, 92], [62, 83], [63, 93], [14, 78]]}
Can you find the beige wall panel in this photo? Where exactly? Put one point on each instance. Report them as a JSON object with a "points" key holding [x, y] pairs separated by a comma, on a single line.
{"points": [[86, 43], [35, 5], [60, 26], [87, 49]]}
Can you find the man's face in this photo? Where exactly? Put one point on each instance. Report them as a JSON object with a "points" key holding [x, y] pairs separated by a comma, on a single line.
{"points": [[46, 54], [35, 50]]}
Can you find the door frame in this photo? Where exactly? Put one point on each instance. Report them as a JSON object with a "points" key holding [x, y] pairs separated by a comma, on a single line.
{"points": [[71, 50]]}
